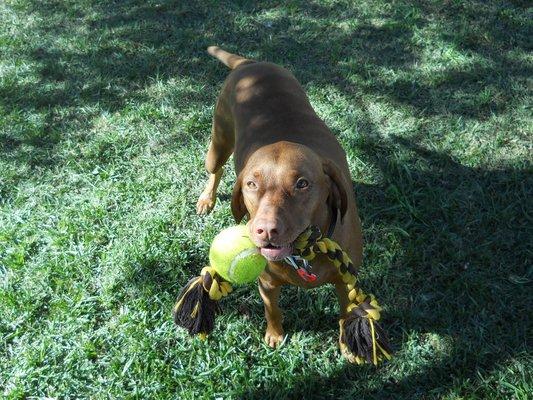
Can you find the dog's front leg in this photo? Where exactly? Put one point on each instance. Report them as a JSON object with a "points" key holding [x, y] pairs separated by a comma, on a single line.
{"points": [[274, 332], [207, 199]]}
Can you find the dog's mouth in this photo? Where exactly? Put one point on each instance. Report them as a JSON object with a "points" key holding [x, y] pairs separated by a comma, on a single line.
{"points": [[276, 253]]}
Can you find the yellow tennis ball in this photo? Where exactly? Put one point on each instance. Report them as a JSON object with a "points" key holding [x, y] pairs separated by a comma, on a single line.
{"points": [[234, 256]]}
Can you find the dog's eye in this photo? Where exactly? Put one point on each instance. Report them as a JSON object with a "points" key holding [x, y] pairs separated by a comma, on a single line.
{"points": [[251, 185], [302, 183]]}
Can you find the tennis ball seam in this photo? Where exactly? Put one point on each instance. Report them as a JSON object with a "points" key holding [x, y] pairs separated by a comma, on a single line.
{"points": [[243, 254]]}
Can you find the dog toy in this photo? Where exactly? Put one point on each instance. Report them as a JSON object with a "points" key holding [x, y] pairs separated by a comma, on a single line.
{"points": [[361, 335], [234, 257]]}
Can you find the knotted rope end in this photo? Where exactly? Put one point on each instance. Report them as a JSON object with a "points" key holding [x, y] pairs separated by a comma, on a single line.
{"points": [[197, 304]]}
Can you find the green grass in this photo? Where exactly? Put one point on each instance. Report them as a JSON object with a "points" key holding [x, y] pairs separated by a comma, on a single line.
{"points": [[105, 112]]}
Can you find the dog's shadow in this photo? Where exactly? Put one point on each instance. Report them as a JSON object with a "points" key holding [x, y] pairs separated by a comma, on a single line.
{"points": [[460, 236], [459, 271]]}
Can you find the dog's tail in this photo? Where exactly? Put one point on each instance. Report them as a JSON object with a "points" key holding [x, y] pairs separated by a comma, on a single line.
{"points": [[231, 60]]}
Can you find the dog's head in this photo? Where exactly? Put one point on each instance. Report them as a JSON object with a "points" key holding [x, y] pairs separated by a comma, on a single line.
{"points": [[285, 187]]}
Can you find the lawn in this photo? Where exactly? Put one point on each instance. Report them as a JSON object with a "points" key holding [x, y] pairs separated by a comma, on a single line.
{"points": [[105, 111]]}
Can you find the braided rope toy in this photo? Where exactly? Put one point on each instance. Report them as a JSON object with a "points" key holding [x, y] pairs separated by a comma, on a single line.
{"points": [[361, 335]]}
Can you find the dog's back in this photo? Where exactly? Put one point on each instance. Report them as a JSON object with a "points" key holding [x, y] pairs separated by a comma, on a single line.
{"points": [[269, 105]]}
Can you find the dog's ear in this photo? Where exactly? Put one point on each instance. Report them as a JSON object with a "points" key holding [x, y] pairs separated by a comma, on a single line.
{"points": [[238, 209], [337, 199]]}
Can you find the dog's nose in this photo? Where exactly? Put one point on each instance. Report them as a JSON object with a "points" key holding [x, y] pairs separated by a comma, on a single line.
{"points": [[268, 230]]}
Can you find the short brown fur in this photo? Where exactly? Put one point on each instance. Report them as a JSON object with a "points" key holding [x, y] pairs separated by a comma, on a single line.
{"points": [[263, 117]]}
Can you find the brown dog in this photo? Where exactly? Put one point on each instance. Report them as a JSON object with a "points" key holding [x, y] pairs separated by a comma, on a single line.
{"points": [[292, 173]]}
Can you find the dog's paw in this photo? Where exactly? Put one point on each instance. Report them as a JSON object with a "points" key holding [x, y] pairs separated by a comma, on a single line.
{"points": [[274, 339], [205, 204]]}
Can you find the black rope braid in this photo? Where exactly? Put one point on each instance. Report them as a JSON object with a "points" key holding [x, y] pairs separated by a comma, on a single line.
{"points": [[361, 335]]}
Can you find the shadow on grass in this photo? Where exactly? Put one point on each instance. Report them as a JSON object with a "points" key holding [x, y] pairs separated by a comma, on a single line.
{"points": [[464, 259], [463, 274], [125, 45], [463, 268]]}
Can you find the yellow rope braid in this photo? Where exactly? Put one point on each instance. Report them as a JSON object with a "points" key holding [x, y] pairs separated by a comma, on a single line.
{"points": [[308, 245]]}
